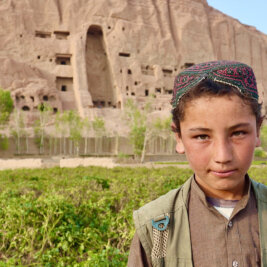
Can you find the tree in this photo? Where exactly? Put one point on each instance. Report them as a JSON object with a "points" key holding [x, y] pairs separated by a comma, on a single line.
{"points": [[86, 133], [138, 122], [45, 112], [75, 129], [98, 126], [4, 143], [162, 128], [18, 131], [61, 124], [69, 124], [6, 106]]}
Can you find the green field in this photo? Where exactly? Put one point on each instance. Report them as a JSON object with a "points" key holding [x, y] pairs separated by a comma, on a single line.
{"points": [[77, 217]]}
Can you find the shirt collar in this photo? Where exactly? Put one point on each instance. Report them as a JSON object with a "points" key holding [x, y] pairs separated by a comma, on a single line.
{"points": [[242, 203]]}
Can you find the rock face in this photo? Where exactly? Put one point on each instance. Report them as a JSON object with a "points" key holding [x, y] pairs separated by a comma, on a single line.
{"points": [[92, 55]]}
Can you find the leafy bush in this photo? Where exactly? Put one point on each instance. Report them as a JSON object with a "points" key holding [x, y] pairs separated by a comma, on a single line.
{"points": [[259, 153], [78, 217], [75, 217], [4, 143], [263, 136], [6, 105]]}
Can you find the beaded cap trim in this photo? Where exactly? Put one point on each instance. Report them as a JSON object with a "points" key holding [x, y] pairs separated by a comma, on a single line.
{"points": [[232, 73]]}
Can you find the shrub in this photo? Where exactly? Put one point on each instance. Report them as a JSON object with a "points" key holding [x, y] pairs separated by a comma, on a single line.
{"points": [[6, 105], [78, 217], [75, 217], [259, 153], [4, 143]]}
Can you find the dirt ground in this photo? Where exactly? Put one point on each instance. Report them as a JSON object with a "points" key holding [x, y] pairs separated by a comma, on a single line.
{"points": [[75, 162]]}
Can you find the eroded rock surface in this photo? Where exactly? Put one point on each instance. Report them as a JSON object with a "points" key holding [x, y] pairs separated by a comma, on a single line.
{"points": [[94, 55]]}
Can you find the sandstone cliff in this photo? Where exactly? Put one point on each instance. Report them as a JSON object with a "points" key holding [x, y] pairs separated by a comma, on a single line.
{"points": [[91, 55]]}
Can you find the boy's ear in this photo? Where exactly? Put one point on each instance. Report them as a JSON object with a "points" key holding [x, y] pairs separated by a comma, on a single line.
{"points": [[258, 140], [179, 144]]}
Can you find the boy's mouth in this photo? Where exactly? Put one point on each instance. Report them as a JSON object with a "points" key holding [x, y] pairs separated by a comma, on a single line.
{"points": [[223, 173]]}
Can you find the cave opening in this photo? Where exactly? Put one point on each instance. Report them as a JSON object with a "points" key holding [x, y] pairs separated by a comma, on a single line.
{"points": [[65, 88], [25, 108], [98, 69], [63, 59], [42, 34], [61, 35]]}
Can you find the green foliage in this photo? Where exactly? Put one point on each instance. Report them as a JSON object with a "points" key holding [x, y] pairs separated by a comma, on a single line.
{"points": [[143, 128], [123, 155], [17, 130], [75, 217], [86, 126], [45, 112], [163, 124], [263, 136], [78, 217], [137, 120], [75, 128], [37, 133], [259, 162], [259, 153], [62, 128], [4, 143], [98, 125], [137, 137], [258, 174], [61, 123], [6, 105]]}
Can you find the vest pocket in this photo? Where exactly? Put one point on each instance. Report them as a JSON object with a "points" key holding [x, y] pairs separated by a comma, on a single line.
{"points": [[160, 238], [160, 233]]}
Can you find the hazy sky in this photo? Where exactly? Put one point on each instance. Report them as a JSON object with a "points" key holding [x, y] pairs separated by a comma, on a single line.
{"points": [[250, 12]]}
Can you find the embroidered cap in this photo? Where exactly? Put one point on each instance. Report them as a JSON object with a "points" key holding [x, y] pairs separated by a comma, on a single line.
{"points": [[232, 73]]}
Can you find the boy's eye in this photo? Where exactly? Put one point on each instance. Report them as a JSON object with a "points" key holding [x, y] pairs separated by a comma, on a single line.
{"points": [[202, 137], [239, 133]]}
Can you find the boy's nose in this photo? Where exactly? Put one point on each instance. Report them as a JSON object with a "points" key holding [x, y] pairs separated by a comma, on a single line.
{"points": [[222, 151]]}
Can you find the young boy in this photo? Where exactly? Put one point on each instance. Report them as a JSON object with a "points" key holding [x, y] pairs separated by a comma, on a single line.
{"points": [[219, 216]]}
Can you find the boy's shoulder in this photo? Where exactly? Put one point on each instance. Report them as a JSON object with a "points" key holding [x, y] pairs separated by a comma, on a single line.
{"points": [[163, 205], [260, 190], [177, 198]]}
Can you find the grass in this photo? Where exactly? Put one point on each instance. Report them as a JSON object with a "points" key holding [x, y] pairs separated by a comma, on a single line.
{"points": [[75, 217], [259, 162]]}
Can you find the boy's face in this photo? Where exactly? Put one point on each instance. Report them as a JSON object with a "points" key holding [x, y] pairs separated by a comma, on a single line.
{"points": [[218, 135]]}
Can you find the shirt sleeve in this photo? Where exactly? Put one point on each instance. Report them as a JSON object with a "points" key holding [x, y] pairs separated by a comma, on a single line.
{"points": [[137, 256]]}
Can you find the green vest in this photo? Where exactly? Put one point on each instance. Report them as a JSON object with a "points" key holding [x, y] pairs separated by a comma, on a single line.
{"points": [[178, 250]]}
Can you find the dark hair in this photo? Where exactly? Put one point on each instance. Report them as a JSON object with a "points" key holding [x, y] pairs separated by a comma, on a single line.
{"points": [[208, 87]]}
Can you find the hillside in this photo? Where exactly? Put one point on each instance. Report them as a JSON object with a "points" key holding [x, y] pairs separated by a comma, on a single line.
{"points": [[92, 55]]}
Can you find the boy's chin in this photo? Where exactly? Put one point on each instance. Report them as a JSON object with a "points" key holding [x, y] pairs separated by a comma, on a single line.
{"points": [[222, 187]]}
